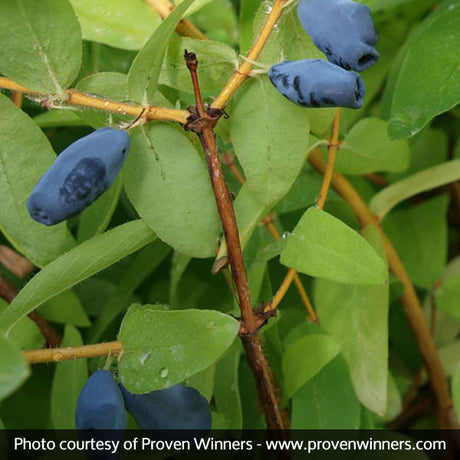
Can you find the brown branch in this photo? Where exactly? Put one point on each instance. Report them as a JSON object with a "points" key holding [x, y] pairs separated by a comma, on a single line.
{"points": [[203, 124], [150, 113], [281, 292], [16, 98], [243, 72], [410, 301], [377, 179], [76, 98], [15, 263], [332, 153], [61, 354], [185, 27], [8, 292]]}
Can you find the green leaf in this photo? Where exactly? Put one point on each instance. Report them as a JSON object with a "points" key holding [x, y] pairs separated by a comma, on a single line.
{"points": [[305, 358], [216, 64], [96, 217], [419, 235], [118, 23], [358, 317], [13, 367], [144, 73], [179, 264], [429, 67], [327, 401], [419, 182], [219, 21], [367, 148], [270, 137], [449, 356], [65, 308], [447, 295], [85, 260], [227, 390], [143, 265], [323, 246], [69, 379], [394, 400], [33, 52], [55, 118], [303, 193], [26, 334], [197, 5], [428, 148], [162, 348], [168, 184], [25, 156], [456, 390], [203, 381]]}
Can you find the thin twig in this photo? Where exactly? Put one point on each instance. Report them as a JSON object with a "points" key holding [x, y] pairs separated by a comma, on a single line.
{"points": [[17, 97], [76, 98], [14, 262], [332, 153], [185, 27], [61, 354], [410, 301], [244, 71], [377, 179], [230, 163], [281, 292]]}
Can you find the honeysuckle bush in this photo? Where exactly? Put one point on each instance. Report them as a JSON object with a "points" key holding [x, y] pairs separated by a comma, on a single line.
{"points": [[136, 265]]}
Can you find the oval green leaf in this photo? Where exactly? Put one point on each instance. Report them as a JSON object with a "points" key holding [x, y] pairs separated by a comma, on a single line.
{"points": [[323, 246], [270, 136], [162, 348], [169, 185], [367, 148]]}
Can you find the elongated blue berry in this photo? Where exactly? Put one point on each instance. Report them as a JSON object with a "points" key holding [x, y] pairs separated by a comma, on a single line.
{"points": [[175, 408], [342, 29], [80, 174], [100, 405], [318, 83]]}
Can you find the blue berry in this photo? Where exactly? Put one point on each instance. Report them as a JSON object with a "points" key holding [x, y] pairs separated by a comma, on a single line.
{"points": [[318, 83], [342, 29], [100, 405], [175, 408], [80, 174]]}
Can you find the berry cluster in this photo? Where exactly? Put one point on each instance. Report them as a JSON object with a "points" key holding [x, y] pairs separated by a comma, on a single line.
{"points": [[343, 30], [102, 402], [80, 174]]}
